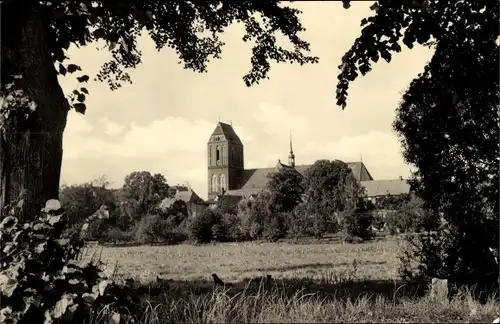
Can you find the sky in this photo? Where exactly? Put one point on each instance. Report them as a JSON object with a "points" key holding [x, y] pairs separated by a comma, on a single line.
{"points": [[161, 123]]}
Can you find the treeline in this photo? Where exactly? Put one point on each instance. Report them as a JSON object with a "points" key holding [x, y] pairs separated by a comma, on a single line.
{"points": [[326, 200]]}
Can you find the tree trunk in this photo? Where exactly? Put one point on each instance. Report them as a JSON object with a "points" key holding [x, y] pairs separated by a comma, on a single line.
{"points": [[30, 158]]}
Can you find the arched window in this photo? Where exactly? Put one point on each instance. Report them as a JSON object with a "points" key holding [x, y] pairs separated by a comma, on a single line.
{"points": [[217, 155], [224, 155], [222, 183], [209, 155], [214, 183]]}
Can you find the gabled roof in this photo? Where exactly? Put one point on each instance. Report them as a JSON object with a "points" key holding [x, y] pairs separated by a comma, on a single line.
{"points": [[228, 131], [188, 196], [376, 188], [252, 179]]}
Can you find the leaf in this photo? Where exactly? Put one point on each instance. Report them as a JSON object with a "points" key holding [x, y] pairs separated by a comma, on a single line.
{"points": [[88, 298], [40, 248], [386, 55], [73, 68], [8, 222], [5, 313], [112, 45], [81, 97], [102, 286], [54, 219], [80, 108], [115, 319], [7, 285], [99, 33], [374, 6], [52, 205], [48, 318], [84, 90], [62, 69], [63, 241], [62, 305], [83, 78]]}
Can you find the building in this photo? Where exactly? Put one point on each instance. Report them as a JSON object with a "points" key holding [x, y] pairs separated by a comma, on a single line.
{"points": [[227, 174], [195, 205]]}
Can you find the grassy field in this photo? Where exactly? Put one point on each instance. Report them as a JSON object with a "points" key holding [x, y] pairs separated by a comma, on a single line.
{"points": [[311, 283]]}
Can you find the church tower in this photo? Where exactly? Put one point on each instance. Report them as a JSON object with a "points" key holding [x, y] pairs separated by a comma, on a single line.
{"points": [[225, 160], [291, 156]]}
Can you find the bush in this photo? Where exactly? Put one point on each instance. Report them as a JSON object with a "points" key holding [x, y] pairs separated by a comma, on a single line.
{"points": [[234, 231], [116, 235], [200, 228], [357, 224], [150, 229], [97, 231], [275, 227], [378, 221], [41, 280]]}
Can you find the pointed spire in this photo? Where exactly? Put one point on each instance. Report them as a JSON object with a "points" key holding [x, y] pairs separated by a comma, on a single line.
{"points": [[291, 156]]}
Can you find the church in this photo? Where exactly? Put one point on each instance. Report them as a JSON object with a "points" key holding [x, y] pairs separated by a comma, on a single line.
{"points": [[227, 174]]}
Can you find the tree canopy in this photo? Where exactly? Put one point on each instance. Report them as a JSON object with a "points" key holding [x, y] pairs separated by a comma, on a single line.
{"points": [[146, 189], [35, 38], [191, 28], [285, 189], [447, 119], [330, 187]]}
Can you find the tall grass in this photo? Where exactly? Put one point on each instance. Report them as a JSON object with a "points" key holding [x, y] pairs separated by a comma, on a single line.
{"points": [[354, 284], [264, 305]]}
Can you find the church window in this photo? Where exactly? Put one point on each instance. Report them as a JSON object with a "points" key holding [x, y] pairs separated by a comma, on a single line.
{"points": [[224, 154], [217, 155], [213, 186], [222, 182], [209, 155]]}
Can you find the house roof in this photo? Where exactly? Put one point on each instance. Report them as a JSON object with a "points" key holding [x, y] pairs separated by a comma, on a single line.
{"points": [[252, 179], [188, 196], [376, 188], [228, 131]]}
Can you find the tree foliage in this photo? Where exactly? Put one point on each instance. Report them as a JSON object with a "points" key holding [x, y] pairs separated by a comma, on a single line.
{"points": [[330, 187], [145, 189], [285, 190], [36, 38], [191, 29], [80, 201], [41, 278], [447, 120]]}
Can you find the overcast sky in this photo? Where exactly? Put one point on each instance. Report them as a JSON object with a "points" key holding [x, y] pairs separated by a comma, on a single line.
{"points": [[162, 122]]}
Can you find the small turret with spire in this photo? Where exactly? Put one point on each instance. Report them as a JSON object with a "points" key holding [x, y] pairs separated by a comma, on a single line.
{"points": [[291, 156]]}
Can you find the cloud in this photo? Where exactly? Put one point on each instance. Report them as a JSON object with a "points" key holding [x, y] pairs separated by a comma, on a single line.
{"points": [[162, 122], [176, 147], [110, 127], [173, 146]]}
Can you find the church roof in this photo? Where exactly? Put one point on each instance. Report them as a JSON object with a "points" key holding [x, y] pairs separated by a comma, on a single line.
{"points": [[252, 179], [376, 188], [228, 131]]}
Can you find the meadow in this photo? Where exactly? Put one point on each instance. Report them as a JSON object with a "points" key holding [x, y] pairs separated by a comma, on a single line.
{"points": [[320, 282]]}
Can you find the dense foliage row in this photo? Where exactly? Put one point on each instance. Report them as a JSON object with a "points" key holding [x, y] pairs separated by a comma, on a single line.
{"points": [[326, 200]]}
